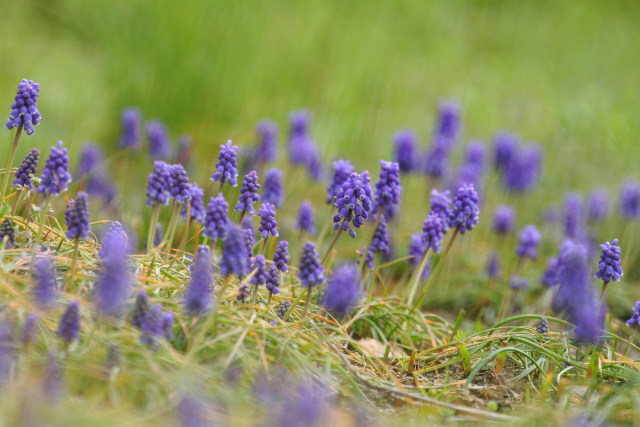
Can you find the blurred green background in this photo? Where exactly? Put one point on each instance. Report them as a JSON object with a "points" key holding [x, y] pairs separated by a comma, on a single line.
{"points": [[561, 73]]}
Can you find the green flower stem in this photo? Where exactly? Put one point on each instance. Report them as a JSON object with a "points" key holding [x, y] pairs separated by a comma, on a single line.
{"points": [[7, 171], [416, 276], [333, 242], [187, 226], [373, 234], [151, 236]]}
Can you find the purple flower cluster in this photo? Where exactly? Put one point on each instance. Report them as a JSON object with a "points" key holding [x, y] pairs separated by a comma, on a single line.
{"points": [[234, 253], [573, 216], [610, 265], [494, 268], [267, 132], [24, 111], [302, 149], [69, 326], [473, 167], [281, 256], [387, 194], [504, 219], [441, 205], [114, 281], [26, 170], [305, 218], [635, 316], [433, 230], [227, 166], [248, 194], [630, 200], [44, 290], [7, 233], [311, 271], [216, 221], [273, 279], [505, 145], [91, 169], [197, 210], [517, 282], [597, 206], [380, 244], [77, 217], [198, 296], [158, 184], [268, 223], [552, 273], [140, 309], [523, 170], [272, 191], [131, 128], [159, 143], [342, 170], [528, 242], [343, 291], [353, 201], [55, 176], [465, 210], [259, 264], [405, 150], [179, 184]]}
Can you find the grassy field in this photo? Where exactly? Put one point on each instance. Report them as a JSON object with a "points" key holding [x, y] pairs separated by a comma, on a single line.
{"points": [[562, 74]]}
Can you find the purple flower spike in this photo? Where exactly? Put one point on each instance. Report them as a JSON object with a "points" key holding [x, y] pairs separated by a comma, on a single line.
{"points": [[505, 146], [517, 282], [504, 219], [259, 264], [272, 191], [353, 201], [433, 231], [91, 158], [28, 335], [267, 132], [465, 212], [494, 269], [198, 298], [635, 317], [179, 184], [343, 291], [528, 243], [166, 327], [243, 293], [610, 266], [630, 200], [248, 194], [573, 216], [159, 144], [216, 221], [273, 279], [441, 205], [249, 240], [342, 170], [268, 223], [524, 169], [77, 217], [437, 161], [381, 243], [158, 184], [140, 309], [598, 206], [552, 274], [405, 150], [24, 111], [55, 176], [69, 326], [281, 256], [26, 170], [311, 270], [114, 237], [7, 234], [198, 212], [302, 149], [449, 123], [234, 253], [388, 189], [152, 326], [305, 218], [227, 166], [131, 128], [114, 281], [44, 290]]}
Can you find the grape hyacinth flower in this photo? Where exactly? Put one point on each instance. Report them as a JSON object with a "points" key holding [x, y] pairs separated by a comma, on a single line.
{"points": [[343, 291], [388, 188], [272, 191], [311, 271], [259, 264], [441, 205], [305, 220], [179, 184], [543, 327], [635, 317], [114, 281], [268, 223], [302, 149], [494, 269], [552, 273], [140, 309], [24, 111], [197, 211], [436, 162], [449, 124], [528, 242], [152, 326], [243, 293], [405, 150], [597, 206], [227, 166], [55, 176], [69, 326], [283, 308], [234, 253], [248, 195], [44, 290], [131, 128], [630, 200], [273, 279], [198, 298], [167, 323], [216, 221], [353, 201], [267, 132], [28, 335], [7, 234], [432, 232], [159, 144], [114, 236], [573, 216], [158, 184], [505, 146], [249, 240], [504, 219], [77, 217], [342, 170], [27, 170], [523, 170], [517, 282], [380, 244], [281, 256], [465, 212], [610, 265], [91, 157]]}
